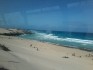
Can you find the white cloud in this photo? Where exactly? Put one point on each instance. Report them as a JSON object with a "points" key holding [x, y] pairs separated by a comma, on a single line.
{"points": [[82, 4], [73, 4], [44, 9], [33, 11]]}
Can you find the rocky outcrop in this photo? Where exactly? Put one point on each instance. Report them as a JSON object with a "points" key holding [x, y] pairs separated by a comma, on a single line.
{"points": [[14, 32]]}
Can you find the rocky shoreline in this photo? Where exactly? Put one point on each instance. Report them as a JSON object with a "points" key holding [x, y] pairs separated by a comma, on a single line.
{"points": [[15, 32]]}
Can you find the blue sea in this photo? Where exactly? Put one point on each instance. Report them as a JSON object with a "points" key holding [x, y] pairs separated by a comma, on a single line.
{"points": [[78, 40]]}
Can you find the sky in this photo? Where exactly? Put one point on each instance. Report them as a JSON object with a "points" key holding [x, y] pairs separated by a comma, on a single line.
{"points": [[59, 15]]}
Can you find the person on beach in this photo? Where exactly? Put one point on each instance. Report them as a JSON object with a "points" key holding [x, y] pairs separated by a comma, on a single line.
{"points": [[31, 45], [73, 54], [37, 49]]}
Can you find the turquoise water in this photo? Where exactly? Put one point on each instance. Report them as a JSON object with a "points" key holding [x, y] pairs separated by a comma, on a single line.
{"points": [[69, 39]]}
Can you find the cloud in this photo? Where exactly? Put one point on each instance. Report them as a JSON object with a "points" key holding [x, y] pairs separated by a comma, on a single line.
{"points": [[73, 4], [50, 8], [90, 3], [44, 9], [34, 11], [81, 4]]}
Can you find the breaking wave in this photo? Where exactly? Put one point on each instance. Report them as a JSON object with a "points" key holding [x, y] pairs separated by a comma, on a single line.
{"points": [[53, 37]]}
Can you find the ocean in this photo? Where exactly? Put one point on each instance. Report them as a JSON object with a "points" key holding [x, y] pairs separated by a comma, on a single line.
{"points": [[83, 41]]}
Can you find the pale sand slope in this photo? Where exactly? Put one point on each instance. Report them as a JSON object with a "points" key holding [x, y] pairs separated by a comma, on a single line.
{"points": [[23, 56], [48, 56]]}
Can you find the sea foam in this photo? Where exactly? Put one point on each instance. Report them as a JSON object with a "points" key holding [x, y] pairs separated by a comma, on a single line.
{"points": [[53, 37]]}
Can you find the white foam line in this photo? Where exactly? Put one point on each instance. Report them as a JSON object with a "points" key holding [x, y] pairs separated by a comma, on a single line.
{"points": [[51, 36]]}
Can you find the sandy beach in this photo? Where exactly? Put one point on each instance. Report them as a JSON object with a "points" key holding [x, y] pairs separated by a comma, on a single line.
{"points": [[27, 54]]}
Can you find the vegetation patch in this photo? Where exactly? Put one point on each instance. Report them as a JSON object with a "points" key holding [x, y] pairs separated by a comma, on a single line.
{"points": [[3, 47], [2, 68]]}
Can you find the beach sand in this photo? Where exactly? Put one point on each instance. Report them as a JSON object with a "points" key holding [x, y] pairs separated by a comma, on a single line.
{"points": [[34, 55]]}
